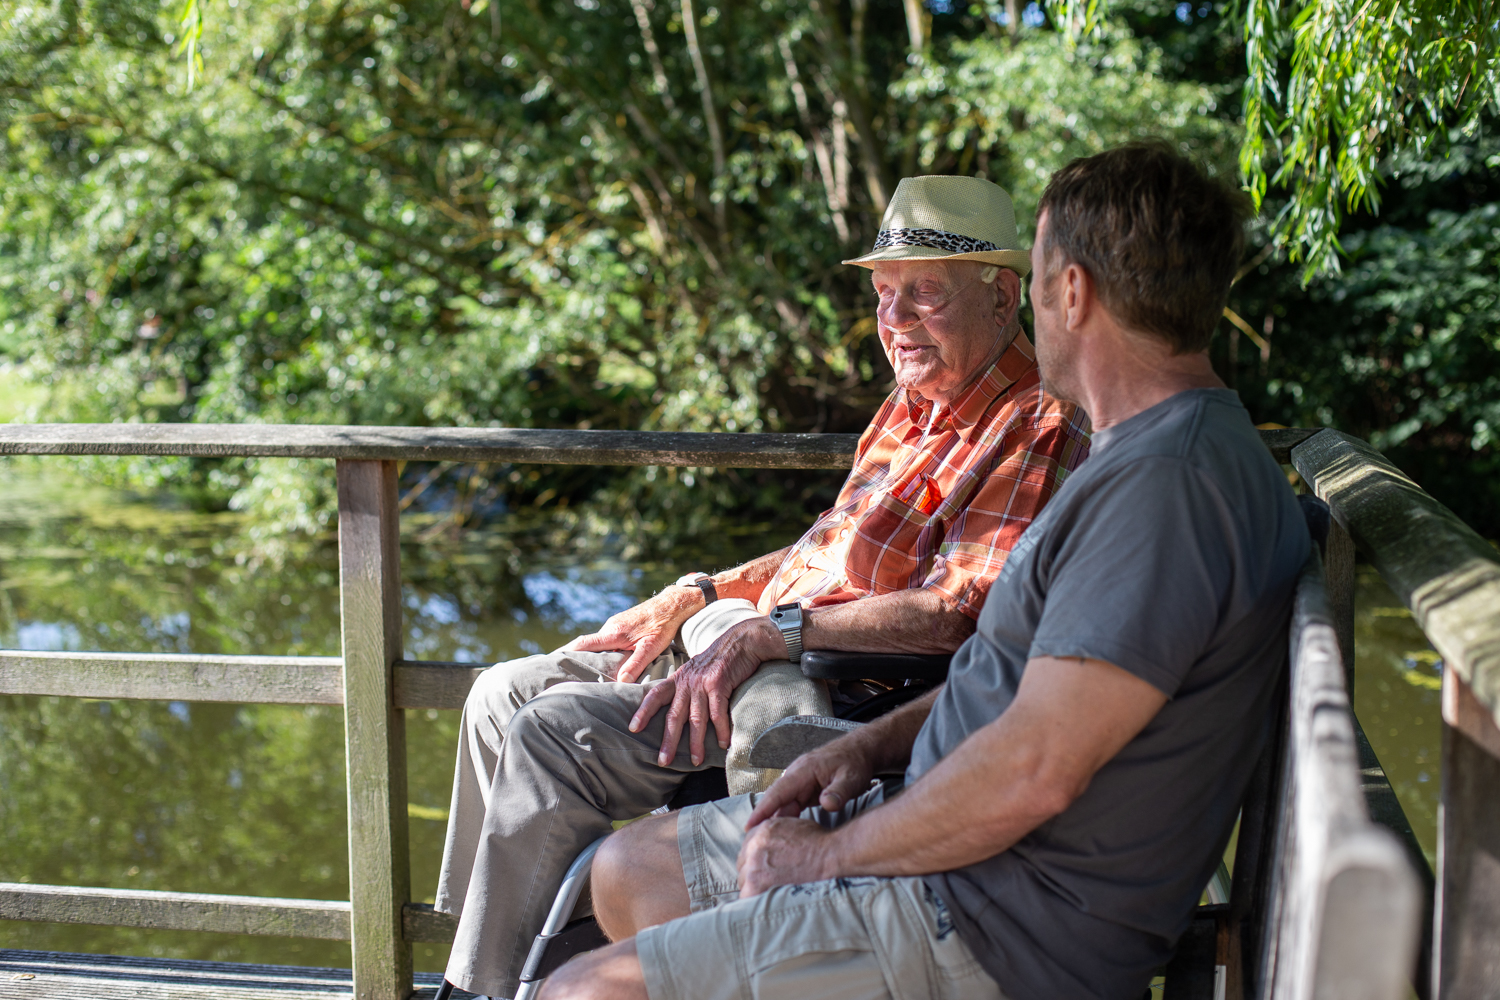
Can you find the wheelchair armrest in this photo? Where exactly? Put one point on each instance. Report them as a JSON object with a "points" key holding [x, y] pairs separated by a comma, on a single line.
{"points": [[835, 665]]}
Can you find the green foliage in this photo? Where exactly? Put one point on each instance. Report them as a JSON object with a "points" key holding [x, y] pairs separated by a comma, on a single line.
{"points": [[1401, 347], [595, 217], [1336, 88], [1015, 111]]}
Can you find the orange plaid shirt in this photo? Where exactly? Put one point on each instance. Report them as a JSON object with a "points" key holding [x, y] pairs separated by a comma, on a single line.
{"points": [[939, 506]]}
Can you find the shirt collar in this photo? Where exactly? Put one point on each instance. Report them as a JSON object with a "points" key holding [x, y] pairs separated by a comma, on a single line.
{"points": [[964, 412]]}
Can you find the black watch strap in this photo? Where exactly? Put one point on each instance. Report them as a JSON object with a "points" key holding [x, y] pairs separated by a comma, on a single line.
{"points": [[703, 582]]}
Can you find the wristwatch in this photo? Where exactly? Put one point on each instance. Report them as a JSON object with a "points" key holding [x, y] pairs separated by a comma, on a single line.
{"points": [[703, 582], [788, 618]]}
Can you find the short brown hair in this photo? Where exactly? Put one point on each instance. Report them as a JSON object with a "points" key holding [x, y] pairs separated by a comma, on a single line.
{"points": [[1159, 237]]}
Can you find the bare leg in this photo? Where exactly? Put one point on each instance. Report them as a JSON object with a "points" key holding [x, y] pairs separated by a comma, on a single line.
{"points": [[637, 879], [612, 973]]}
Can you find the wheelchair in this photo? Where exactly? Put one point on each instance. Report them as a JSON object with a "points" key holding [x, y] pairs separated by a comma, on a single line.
{"points": [[893, 679]]}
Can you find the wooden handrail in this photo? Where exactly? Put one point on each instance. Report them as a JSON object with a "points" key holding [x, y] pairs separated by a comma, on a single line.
{"points": [[200, 911], [265, 680], [257, 680], [1440, 568], [323, 919], [467, 444], [432, 444]]}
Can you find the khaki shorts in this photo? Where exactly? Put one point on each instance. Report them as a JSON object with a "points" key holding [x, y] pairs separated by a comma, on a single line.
{"points": [[860, 938]]}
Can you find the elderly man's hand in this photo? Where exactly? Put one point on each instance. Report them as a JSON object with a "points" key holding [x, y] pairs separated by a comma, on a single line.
{"points": [[784, 852], [699, 691], [645, 630], [829, 777]]}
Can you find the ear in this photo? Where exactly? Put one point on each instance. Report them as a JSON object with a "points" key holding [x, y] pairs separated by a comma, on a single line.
{"points": [[1078, 296], [1007, 287]]}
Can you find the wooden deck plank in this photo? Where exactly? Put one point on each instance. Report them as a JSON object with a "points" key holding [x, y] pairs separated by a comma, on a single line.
{"points": [[35, 975]]}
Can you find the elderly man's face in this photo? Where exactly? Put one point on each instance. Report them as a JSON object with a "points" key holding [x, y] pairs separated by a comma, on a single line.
{"points": [[939, 323]]}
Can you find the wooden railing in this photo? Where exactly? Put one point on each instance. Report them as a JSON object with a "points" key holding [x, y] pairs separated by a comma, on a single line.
{"points": [[1340, 914], [374, 683], [370, 679], [1450, 579]]}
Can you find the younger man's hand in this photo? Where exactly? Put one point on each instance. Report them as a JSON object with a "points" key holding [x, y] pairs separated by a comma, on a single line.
{"points": [[828, 776], [784, 852]]}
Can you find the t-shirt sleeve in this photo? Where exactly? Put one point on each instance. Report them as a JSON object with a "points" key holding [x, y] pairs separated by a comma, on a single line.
{"points": [[1141, 574], [1034, 461]]}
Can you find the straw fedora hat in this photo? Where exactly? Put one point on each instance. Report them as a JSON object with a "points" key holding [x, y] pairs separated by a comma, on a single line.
{"points": [[949, 218]]}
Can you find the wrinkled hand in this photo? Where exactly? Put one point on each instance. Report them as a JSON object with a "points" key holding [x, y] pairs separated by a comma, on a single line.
{"points": [[828, 776], [699, 691], [645, 630], [783, 852]]}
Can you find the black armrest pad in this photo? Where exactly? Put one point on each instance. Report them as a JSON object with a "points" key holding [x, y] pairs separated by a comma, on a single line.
{"points": [[831, 665]]}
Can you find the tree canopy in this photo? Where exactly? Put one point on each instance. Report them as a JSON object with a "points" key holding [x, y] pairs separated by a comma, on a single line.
{"points": [[624, 213]]}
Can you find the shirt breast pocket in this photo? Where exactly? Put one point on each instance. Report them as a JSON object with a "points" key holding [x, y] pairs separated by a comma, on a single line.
{"points": [[892, 546]]}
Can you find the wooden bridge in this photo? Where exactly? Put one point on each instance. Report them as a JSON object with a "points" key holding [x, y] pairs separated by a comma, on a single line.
{"points": [[1447, 576]]}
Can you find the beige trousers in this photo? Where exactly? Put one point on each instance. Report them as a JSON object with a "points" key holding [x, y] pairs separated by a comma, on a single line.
{"points": [[546, 762]]}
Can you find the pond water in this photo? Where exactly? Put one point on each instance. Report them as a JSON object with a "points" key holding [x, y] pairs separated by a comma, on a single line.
{"points": [[250, 798]]}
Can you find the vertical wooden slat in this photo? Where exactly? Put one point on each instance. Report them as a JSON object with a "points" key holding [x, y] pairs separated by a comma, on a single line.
{"points": [[1468, 903], [1338, 574], [374, 729]]}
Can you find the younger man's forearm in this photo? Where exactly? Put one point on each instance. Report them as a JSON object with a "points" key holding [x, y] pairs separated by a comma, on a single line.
{"points": [[887, 742]]}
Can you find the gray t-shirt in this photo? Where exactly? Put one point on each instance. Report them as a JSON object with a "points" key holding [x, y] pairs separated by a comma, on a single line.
{"points": [[1172, 553]]}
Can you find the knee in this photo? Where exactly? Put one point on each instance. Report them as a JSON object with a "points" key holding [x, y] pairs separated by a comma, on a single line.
{"points": [[609, 877], [635, 866], [501, 689]]}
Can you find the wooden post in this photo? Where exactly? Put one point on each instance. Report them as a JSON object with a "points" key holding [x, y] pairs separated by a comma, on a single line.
{"points": [[1338, 572], [374, 729], [1468, 903]]}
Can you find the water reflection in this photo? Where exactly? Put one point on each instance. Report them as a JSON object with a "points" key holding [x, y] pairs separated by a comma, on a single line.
{"points": [[1396, 698], [242, 798], [250, 798]]}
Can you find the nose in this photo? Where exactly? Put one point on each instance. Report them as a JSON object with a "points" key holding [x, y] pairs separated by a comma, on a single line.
{"points": [[897, 312]]}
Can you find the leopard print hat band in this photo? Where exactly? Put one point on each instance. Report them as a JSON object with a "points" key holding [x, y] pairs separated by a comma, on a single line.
{"points": [[935, 238]]}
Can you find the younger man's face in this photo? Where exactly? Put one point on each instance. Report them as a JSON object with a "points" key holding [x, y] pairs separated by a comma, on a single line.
{"points": [[1054, 352]]}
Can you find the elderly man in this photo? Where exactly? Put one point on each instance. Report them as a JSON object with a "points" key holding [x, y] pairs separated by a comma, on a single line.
{"points": [[952, 470], [1071, 787]]}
